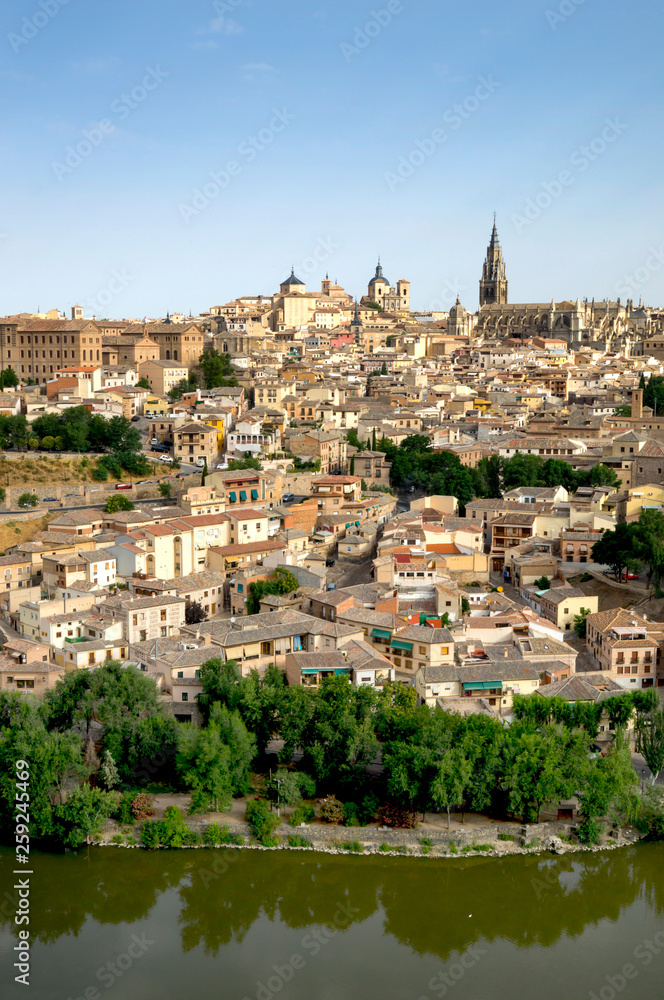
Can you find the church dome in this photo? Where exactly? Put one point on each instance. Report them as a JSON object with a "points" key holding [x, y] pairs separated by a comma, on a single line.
{"points": [[292, 279]]}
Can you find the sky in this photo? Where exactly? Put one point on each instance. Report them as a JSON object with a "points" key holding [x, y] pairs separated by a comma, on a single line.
{"points": [[169, 155]]}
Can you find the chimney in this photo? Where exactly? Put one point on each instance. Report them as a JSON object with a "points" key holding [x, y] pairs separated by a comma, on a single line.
{"points": [[506, 653], [637, 403]]}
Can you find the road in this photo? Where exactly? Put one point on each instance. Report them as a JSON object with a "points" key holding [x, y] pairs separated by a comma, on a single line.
{"points": [[347, 575]]}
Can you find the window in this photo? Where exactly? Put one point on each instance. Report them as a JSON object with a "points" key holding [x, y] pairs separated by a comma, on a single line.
{"points": [[423, 650], [185, 696], [163, 615]]}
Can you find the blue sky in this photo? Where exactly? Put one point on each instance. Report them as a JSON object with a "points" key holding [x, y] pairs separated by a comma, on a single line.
{"points": [[321, 135]]}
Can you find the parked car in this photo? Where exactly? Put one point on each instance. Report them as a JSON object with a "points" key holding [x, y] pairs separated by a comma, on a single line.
{"points": [[165, 458], [223, 465], [329, 562], [288, 498], [200, 462], [123, 486], [50, 500], [136, 418]]}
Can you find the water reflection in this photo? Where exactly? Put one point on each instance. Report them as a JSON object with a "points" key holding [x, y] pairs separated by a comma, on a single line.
{"points": [[424, 904]]}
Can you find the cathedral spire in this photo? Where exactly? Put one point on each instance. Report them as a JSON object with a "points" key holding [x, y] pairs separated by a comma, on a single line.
{"points": [[493, 283]]}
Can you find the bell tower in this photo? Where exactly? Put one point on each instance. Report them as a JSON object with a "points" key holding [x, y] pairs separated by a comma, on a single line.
{"points": [[493, 283]]}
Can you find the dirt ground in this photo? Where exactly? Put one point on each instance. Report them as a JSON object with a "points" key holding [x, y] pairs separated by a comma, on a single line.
{"points": [[54, 469], [609, 597], [13, 532]]}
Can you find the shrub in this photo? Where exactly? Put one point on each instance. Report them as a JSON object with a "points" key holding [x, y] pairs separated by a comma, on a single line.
{"points": [[385, 848], [261, 820], [297, 840], [650, 820], [100, 473], [352, 845], [396, 816], [141, 806], [332, 811], [307, 785], [150, 835], [304, 813], [506, 836], [351, 817], [172, 829], [589, 832], [426, 842], [212, 835], [235, 839], [454, 849], [123, 813], [118, 839]]}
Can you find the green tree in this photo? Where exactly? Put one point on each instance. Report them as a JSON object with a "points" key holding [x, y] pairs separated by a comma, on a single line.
{"points": [[82, 815], [194, 613], [543, 583], [217, 369], [117, 502], [203, 763], [143, 384], [48, 443], [28, 500], [448, 788], [8, 378], [261, 821], [165, 490], [281, 581], [221, 682], [241, 745], [283, 788], [249, 462], [616, 548], [542, 767], [383, 369], [579, 624], [650, 740]]}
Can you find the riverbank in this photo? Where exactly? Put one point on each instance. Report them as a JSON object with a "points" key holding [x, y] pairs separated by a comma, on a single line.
{"points": [[485, 841]]}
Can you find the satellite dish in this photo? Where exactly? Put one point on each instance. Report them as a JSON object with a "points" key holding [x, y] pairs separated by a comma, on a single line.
{"points": [[232, 621]]}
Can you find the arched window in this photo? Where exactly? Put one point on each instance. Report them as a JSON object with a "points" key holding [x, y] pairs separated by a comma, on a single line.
{"points": [[175, 355], [168, 355], [84, 355]]}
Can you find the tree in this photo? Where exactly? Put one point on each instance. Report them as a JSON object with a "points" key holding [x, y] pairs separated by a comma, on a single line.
{"points": [[108, 772], [283, 788], [261, 821], [117, 502], [650, 740], [143, 384], [204, 474], [48, 443], [203, 763], [282, 581], [580, 622], [543, 583], [82, 814], [352, 438], [448, 788], [221, 682], [616, 548], [216, 369], [383, 369], [8, 378], [194, 613], [165, 489], [249, 462], [543, 766], [352, 465], [28, 500], [241, 745]]}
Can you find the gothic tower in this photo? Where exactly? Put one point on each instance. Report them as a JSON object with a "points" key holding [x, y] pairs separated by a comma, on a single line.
{"points": [[493, 283]]}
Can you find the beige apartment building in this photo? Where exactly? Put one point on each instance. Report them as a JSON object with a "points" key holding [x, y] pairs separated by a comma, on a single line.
{"points": [[147, 618], [332, 492], [162, 375], [37, 348], [183, 342], [627, 646], [194, 441]]}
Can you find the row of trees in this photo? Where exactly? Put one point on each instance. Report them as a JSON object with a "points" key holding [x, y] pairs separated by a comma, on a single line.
{"points": [[432, 760], [415, 462]]}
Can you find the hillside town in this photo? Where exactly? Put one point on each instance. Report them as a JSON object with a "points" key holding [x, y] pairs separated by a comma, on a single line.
{"points": [[467, 505]]}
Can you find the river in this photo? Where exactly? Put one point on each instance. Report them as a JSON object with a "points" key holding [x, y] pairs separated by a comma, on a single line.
{"points": [[255, 925]]}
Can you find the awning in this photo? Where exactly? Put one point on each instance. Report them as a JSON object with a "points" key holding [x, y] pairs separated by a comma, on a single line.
{"points": [[380, 633], [232, 497], [254, 494], [243, 494], [398, 644], [482, 685], [357, 524]]}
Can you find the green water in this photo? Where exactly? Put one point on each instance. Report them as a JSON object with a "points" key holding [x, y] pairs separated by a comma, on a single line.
{"points": [[302, 926]]}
